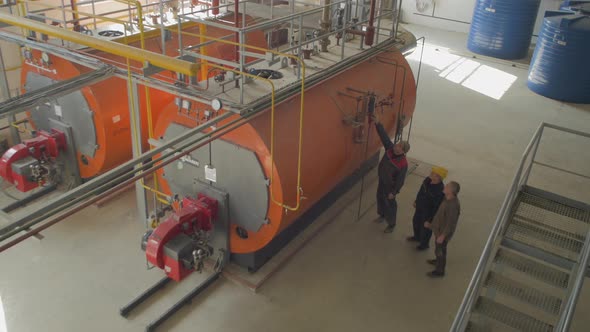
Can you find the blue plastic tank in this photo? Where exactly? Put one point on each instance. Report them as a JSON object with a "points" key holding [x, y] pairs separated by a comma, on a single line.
{"points": [[560, 66], [503, 28]]}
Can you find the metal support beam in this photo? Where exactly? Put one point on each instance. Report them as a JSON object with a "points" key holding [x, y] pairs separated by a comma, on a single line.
{"points": [[137, 147], [5, 87]]}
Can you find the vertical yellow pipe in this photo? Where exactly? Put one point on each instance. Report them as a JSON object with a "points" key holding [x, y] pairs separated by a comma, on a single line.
{"points": [[137, 5], [203, 51]]}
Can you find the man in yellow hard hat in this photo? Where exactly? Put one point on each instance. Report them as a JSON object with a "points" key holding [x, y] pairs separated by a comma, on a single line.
{"points": [[427, 202]]}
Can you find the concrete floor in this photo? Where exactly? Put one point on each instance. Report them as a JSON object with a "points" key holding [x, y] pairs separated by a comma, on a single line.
{"points": [[351, 277]]}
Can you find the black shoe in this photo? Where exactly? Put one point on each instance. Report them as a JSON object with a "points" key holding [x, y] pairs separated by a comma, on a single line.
{"points": [[412, 239], [431, 261], [435, 274], [389, 229], [422, 248]]}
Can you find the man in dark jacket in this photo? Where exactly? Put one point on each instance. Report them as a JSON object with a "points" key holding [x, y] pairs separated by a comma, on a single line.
{"points": [[392, 174], [427, 201], [443, 226]]}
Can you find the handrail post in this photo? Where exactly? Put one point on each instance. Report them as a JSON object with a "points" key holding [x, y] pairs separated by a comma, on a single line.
{"points": [[535, 149], [573, 294]]}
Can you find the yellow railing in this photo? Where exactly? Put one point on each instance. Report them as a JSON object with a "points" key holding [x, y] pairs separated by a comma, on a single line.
{"points": [[168, 63]]}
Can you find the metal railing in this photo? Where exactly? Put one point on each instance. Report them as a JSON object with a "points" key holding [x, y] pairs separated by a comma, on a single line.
{"points": [[519, 181]]}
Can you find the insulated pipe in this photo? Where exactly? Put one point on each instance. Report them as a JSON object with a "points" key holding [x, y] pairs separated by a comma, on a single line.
{"points": [[325, 24], [133, 53], [75, 15], [237, 25], [370, 33], [215, 5]]}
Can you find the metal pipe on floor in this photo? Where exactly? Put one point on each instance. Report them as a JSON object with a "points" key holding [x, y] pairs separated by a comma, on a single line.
{"points": [[22, 202]]}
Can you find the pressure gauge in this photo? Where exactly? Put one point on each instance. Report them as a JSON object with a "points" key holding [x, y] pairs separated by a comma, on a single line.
{"points": [[45, 57], [216, 104], [28, 55]]}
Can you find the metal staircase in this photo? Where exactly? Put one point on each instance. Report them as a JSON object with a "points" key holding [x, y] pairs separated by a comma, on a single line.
{"points": [[533, 265]]}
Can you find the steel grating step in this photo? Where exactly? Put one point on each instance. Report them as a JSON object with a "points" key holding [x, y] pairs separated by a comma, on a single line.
{"points": [[551, 228], [536, 204], [482, 323], [510, 317], [540, 271], [544, 239], [523, 293]]}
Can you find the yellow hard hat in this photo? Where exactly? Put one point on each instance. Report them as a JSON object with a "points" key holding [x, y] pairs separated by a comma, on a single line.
{"points": [[441, 171]]}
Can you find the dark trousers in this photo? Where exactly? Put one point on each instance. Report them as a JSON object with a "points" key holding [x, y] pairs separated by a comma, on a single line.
{"points": [[441, 256], [386, 207], [421, 233]]}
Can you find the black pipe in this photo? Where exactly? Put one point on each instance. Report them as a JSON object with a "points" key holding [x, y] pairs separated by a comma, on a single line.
{"points": [[143, 296], [22, 202], [184, 301], [442, 18]]}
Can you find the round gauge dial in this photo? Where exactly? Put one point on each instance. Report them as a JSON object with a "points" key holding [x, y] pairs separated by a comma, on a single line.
{"points": [[45, 57], [28, 54], [216, 104]]}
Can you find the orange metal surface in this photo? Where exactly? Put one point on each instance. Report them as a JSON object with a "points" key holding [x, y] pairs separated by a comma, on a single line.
{"points": [[108, 100], [330, 153]]}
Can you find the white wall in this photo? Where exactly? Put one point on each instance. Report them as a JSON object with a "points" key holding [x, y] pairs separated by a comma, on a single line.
{"points": [[455, 15]]}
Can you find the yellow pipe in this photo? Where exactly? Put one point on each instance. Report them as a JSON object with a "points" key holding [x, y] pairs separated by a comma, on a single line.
{"points": [[99, 18], [12, 68], [204, 70], [20, 130], [129, 52], [137, 5], [272, 114], [156, 192], [157, 30]]}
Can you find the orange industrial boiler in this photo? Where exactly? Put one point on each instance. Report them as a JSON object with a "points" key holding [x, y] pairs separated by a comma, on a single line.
{"points": [[96, 119], [264, 209]]}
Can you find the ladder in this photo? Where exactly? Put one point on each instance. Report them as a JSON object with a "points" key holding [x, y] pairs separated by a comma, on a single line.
{"points": [[534, 263]]}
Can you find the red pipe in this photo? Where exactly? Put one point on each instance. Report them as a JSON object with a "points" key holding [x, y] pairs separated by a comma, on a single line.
{"points": [[237, 25], [215, 5], [370, 33]]}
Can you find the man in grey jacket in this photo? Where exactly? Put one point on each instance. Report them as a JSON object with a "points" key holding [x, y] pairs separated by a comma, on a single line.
{"points": [[443, 226], [392, 174]]}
